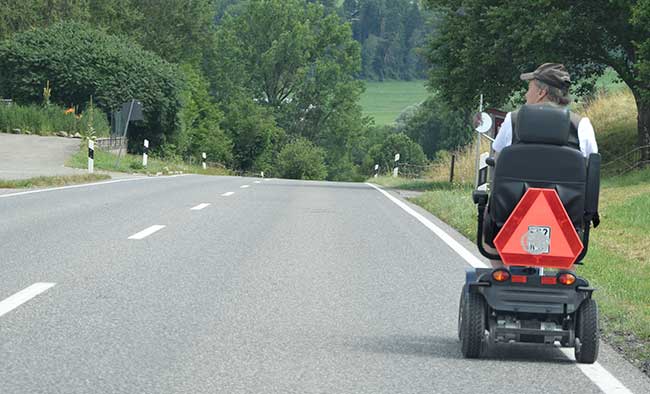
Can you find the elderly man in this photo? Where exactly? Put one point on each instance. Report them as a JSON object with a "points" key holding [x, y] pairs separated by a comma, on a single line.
{"points": [[550, 84]]}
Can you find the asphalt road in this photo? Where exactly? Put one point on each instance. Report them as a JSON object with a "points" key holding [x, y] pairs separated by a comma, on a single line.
{"points": [[27, 156], [280, 287]]}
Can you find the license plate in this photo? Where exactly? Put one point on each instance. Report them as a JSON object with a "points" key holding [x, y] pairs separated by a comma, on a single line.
{"points": [[538, 240]]}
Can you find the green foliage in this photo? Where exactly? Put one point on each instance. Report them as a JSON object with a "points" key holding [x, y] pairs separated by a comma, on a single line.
{"points": [[81, 62], [384, 154], [436, 127], [291, 63], [177, 30], [200, 120], [254, 133], [390, 32], [482, 46], [45, 120], [300, 159]]}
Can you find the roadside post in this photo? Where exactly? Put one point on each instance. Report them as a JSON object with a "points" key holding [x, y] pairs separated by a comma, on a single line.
{"points": [[396, 169], [482, 124], [145, 153], [91, 156], [204, 156], [376, 170]]}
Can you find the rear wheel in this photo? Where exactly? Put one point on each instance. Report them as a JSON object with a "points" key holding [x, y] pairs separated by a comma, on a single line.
{"points": [[587, 332], [472, 324]]}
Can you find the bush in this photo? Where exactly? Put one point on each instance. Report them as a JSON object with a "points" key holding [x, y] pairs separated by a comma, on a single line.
{"points": [[80, 62], [302, 160], [411, 155], [44, 120], [436, 127]]}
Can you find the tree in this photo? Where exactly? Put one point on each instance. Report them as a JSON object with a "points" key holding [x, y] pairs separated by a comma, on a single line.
{"points": [[110, 69], [482, 46], [295, 61], [436, 127], [384, 154], [300, 159]]}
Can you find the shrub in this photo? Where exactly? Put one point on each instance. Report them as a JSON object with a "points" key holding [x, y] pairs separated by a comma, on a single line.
{"points": [[80, 62], [412, 157], [300, 159], [46, 120]]}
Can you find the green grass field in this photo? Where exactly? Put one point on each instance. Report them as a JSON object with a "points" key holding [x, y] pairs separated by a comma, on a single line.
{"points": [[384, 101]]}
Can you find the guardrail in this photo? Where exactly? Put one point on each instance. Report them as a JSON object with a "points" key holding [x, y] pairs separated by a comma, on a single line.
{"points": [[111, 144]]}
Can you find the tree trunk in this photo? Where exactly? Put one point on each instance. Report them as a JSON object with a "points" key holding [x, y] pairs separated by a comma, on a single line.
{"points": [[643, 128]]}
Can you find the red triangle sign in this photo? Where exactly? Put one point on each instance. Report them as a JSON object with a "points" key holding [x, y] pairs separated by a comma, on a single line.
{"points": [[539, 233]]}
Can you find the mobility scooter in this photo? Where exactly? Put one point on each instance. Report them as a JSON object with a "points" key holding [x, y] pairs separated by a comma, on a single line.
{"points": [[542, 202]]}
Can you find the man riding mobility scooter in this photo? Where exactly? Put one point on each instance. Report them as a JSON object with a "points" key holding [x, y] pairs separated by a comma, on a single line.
{"points": [[544, 197]]}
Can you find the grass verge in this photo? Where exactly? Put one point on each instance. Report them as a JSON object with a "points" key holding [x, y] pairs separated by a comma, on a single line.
{"points": [[52, 181], [133, 164], [618, 264]]}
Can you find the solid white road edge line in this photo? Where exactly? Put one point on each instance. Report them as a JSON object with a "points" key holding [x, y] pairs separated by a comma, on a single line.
{"points": [[599, 375], [200, 206], [228, 194], [244, 186], [458, 248], [607, 382], [23, 296], [147, 232], [86, 185]]}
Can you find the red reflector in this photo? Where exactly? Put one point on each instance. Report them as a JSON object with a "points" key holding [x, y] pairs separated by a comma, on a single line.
{"points": [[567, 279], [501, 275], [549, 280], [519, 279]]}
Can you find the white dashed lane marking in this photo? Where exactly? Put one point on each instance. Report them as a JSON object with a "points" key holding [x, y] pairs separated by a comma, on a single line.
{"points": [[147, 232], [23, 296]]}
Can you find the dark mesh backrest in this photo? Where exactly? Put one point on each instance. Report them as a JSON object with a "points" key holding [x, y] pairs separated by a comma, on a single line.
{"points": [[543, 124], [522, 166]]}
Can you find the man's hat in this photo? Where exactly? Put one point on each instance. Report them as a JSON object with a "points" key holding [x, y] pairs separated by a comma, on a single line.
{"points": [[553, 74]]}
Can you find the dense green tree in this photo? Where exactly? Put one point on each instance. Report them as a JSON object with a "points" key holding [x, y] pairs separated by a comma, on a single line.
{"points": [[297, 62], [110, 69], [177, 30], [436, 127], [482, 46], [200, 120], [390, 33], [301, 159], [411, 154]]}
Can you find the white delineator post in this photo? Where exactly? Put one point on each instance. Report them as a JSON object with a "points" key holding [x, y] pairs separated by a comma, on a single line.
{"points": [[482, 180], [204, 156], [262, 173], [376, 170], [91, 156], [396, 169], [145, 153]]}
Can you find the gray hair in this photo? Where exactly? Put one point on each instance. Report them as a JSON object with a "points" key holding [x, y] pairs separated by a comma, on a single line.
{"points": [[556, 95]]}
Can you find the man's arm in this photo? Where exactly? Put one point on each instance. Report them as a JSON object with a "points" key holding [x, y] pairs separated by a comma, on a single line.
{"points": [[504, 137], [587, 137]]}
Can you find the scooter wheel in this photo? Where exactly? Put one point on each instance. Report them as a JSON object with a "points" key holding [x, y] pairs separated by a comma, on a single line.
{"points": [[472, 325], [587, 332]]}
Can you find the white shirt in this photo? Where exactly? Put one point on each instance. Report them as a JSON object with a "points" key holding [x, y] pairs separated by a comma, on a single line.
{"points": [[586, 135]]}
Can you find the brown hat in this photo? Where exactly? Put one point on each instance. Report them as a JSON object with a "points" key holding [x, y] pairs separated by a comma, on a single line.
{"points": [[553, 74]]}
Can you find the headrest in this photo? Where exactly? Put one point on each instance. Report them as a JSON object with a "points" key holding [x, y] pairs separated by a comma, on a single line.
{"points": [[543, 124]]}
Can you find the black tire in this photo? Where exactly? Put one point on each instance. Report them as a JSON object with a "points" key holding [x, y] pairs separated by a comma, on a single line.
{"points": [[587, 331], [472, 325], [460, 312]]}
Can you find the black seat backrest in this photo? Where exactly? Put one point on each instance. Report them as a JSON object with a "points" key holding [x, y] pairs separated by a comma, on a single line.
{"points": [[540, 159]]}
